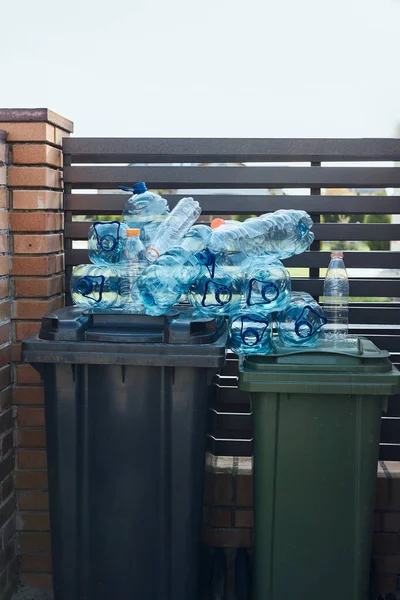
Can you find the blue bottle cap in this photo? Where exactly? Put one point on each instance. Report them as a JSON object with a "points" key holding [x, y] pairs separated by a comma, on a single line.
{"points": [[139, 188]]}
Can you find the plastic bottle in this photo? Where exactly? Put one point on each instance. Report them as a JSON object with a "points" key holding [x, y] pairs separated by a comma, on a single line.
{"points": [[280, 234], [217, 222], [159, 290], [172, 230], [250, 333], [168, 279], [135, 262], [145, 210], [267, 286], [219, 288], [93, 286], [336, 298], [106, 243], [300, 324]]}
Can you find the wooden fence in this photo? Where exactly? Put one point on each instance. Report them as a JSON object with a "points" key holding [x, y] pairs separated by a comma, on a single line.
{"points": [[338, 180]]}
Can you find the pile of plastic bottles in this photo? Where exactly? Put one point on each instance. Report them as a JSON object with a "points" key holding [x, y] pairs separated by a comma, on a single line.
{"points": [[155, 259]]}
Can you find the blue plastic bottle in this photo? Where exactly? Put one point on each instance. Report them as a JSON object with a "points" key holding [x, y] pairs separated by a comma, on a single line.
{"points": [[250, 333], [280, 234], [159, 290], [163, 283], [145, 210], [185, 261], [95, 287], [106, 243], [219, 288], [300, 324], [267, 286]]}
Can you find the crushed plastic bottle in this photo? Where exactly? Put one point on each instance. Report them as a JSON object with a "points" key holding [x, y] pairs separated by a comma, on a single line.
{"points": [[267, 286], [95, 287], [336, 299], [106, 243], [219, 288], [173, 229], [250, 333], [300, 324], [145, 210], [281, 234], [159, 290], [164, 282]]}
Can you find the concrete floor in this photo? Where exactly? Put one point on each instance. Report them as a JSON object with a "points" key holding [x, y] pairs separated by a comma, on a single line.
{"points": [[24, 593]]}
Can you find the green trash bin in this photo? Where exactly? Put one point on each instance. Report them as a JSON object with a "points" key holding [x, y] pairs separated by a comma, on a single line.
{"points": [[317, 416]]}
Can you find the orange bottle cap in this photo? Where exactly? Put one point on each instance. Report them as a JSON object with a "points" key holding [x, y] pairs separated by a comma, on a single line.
{"points": [[133, 232], [217, 223]]}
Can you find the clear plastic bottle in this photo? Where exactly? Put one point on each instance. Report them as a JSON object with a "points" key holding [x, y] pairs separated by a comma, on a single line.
{"points": [[336, 298], [135, 262], [172, 230], [158, 289], [168, 279], [145, 210], [300, 324], [281, 234], [267, 286], [95, 287], [106, 243], [250, 333], [219, 288]]}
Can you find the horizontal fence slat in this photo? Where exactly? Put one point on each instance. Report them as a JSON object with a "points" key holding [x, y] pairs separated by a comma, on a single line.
{"points": [[359, 260], [356, 231], [96, 150], [377, 315], [233, 177], [358, 287], [230, 447], [224, 422], [78, 230], [243, 204], [353, 260], [388, 452], [394, 408]]}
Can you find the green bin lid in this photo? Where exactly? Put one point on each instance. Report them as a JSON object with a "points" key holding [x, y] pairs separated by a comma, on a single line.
{"points": [[354, 354], [353, 366]]}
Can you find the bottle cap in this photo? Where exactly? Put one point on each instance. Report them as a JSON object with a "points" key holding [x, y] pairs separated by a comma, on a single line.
{"points": [[139, 188], [337, 254], [152, 254], [217, 223], [133, 232]]}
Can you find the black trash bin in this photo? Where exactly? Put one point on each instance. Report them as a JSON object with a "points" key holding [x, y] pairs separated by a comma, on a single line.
{"points": [[126, 413]]}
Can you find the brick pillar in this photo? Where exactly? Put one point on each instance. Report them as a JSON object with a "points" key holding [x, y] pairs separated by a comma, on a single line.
{"points": [[8, 561], [37, 281]]}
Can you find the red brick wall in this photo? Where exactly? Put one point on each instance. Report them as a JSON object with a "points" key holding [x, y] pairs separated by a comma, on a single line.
{"points": [[8, 562], [37, 282]]}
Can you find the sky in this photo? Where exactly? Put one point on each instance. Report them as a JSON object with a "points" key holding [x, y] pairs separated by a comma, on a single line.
{"points": [[218, 68]]}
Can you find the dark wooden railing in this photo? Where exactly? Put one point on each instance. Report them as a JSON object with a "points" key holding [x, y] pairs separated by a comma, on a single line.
{"points": [[208, 165]]}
